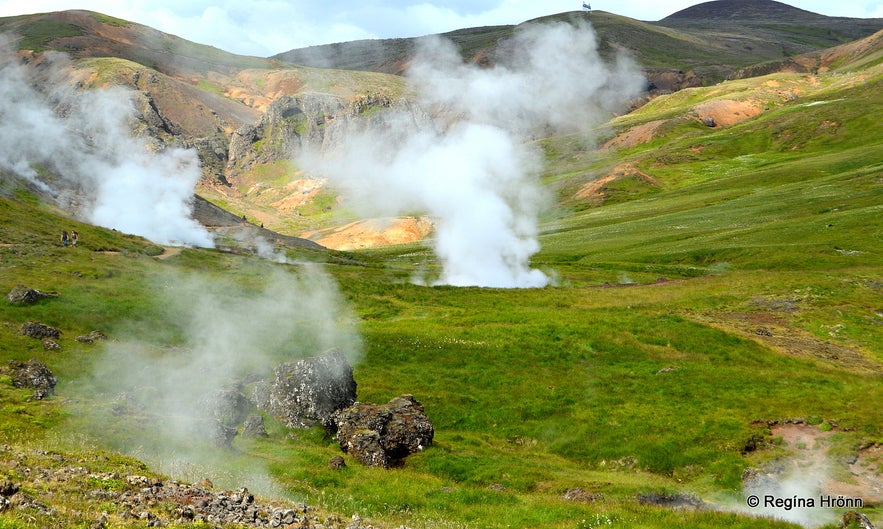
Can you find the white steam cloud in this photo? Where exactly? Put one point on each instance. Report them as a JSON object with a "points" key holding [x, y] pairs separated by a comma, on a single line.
{"points": [[226, 337], [85, 138], [472, 168]]}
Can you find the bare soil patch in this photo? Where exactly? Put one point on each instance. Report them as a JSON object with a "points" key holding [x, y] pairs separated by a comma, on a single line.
{"points": [[373, 233], [594, 191], [634, 136], [728, 112], [809, 447]]}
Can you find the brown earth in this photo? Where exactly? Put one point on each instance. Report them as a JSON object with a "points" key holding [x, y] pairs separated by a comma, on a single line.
{"points": [[728, 112], [594, 191], [372, 233], [772, 329], [809, 447], [634, 136]]}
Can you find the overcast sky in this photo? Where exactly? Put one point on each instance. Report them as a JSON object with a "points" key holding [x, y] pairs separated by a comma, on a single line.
{"points": [[267, 27]]}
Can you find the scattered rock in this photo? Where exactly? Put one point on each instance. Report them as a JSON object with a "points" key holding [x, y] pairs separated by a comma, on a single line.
{"points": [[308, 392], [92, 337], [38, 330], [337, 463], [763, 331], [23, 294], [379, 435], [254, 427], [668, 369], [855, 520], [580, 494], [33, 374], [709, 121], [50, 345]]}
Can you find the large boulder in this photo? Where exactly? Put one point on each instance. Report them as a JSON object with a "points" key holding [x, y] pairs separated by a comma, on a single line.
{"points": [[23, 294], [32, 374], [381, 435], [306, 393]]}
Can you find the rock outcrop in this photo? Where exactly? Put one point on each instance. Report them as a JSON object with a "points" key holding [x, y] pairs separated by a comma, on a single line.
{"points": [[23, 294], [306, 393], [381, 435], [32, 374]]}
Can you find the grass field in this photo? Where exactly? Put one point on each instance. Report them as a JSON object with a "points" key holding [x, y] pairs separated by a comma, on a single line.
{"points": [[640, 371]]}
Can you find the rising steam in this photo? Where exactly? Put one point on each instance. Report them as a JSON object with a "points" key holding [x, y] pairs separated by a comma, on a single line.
{"points": [[473, 169], [225, 337], [84, 138]]}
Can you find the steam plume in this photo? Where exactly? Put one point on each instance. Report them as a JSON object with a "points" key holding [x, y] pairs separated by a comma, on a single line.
{"points": [[84, 137], [225, 336], [473, 169]]}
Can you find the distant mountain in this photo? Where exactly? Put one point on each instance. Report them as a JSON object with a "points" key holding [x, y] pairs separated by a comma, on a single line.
{"points": [[701, 45], [744, 10]]}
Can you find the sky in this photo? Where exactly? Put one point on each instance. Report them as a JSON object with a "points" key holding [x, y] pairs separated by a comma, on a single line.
{"points": [[267, 27]]}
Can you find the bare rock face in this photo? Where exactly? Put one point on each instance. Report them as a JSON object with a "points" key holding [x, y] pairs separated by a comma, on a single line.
{"points": [[33, 374], [380, 435], [23, 294], [306, 393]]}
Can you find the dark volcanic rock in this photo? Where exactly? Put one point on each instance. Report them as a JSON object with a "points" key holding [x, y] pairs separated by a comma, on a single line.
{"points": [[379, 435], [23, 294], [254, 427], [305, 393], [33, 374], [38, 330]]}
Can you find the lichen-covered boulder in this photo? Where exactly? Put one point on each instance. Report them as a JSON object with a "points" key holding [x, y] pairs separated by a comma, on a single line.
{"points": [[306, 393], [381, 435]]}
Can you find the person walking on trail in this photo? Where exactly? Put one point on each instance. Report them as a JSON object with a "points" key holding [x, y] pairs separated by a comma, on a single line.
{"points": [[74, 237], [64, 238]]}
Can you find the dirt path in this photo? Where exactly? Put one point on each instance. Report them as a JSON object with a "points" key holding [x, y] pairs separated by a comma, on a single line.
{"points": [[169, 251]]}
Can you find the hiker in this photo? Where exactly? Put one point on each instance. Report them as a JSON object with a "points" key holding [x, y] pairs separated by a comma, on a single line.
{"points": [[74, 237], [64, 238]]}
